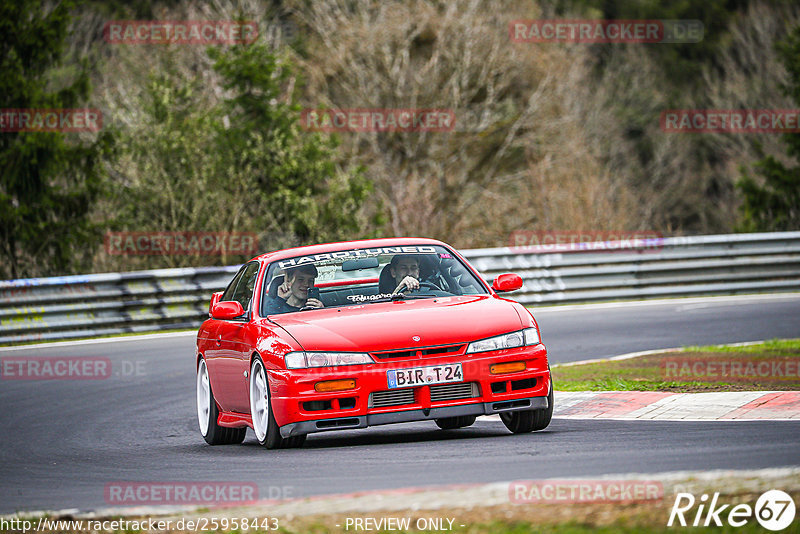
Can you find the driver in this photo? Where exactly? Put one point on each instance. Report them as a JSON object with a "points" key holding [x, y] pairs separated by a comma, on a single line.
{"points": [[293, 292], [405, 272]]}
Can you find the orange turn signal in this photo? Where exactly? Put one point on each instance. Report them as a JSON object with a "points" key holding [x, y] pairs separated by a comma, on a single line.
{"points": [[335, 385], [502, 368]]}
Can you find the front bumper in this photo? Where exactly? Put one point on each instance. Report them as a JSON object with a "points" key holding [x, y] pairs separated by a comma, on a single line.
{"points": [[292, 393], [406, 416]]}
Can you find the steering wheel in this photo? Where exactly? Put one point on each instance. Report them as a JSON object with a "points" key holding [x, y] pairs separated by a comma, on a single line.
{"points": [[421, 285]]}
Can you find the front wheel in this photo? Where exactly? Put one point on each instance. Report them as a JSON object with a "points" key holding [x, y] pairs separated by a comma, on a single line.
{"points": [[207, 413], [529, 420], [265, 427]]}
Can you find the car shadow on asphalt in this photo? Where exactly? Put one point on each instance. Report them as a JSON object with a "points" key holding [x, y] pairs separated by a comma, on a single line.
{"points": [[403, 434]]}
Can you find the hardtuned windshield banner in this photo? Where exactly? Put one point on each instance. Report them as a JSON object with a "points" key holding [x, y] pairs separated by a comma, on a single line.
{"points": [[354, 254]]}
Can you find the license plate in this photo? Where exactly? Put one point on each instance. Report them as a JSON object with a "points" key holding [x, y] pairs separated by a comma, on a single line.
{"points": [[421, 376]]}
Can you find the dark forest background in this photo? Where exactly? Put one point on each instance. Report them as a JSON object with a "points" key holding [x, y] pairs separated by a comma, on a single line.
{"points": [[548, 136]]}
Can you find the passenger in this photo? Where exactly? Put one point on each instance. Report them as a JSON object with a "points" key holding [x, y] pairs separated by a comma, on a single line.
{"points": [[292, 294]]}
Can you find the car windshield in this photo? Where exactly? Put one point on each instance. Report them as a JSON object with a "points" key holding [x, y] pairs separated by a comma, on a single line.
{"points": [[360, 276]]}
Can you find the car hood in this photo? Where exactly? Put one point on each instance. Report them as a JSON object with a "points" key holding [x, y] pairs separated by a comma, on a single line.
{"points": [[394, 325]]}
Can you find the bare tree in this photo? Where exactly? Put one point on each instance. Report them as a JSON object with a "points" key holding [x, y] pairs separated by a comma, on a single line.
{"points": [[517, 157]]}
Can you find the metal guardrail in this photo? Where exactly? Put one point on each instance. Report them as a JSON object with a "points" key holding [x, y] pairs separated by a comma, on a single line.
{"points": [[99, 304], [676, 267]]}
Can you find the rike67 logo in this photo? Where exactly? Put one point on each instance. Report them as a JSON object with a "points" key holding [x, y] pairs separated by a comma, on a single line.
{"points": [[774, 510]]}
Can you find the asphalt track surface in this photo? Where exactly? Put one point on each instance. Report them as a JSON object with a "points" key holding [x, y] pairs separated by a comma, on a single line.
{"points": [[62, 441]]}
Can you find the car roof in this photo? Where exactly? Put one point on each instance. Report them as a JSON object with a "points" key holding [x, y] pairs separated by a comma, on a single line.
{"points": [[345, 245]]}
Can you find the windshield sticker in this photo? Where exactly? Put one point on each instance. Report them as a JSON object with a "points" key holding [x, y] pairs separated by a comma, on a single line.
{"points": [[364, 298], [354, 254]]}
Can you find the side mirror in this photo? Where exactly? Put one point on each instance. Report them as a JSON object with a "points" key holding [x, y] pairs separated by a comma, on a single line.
{"points": [[228, 309], [215, 297], [507, 282]]}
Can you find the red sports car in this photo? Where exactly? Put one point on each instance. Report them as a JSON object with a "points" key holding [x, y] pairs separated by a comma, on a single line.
{"points": [[364, 333]]}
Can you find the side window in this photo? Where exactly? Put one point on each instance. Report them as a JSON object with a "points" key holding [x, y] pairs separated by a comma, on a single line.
{"points": [[247, 282], [228, 294]]}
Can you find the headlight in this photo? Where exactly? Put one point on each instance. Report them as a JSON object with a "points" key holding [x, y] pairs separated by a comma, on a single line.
{"points": [[304, 360], [529, 336], [532, 336]]}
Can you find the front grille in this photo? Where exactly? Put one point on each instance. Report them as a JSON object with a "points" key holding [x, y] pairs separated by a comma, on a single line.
{"points": [[351, 422], [525, 383], [395, 354], [462, 390], [393, 397], [452, 349], [499, 387], [347, 403], [423, 352], [316, 406]]}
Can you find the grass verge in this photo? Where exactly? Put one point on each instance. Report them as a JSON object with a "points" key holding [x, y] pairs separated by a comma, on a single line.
{"points": [[768, 366], [508, 518]]}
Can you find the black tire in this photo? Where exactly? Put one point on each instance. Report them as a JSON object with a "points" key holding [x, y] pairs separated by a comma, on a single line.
{"points": [[525, 421], [207, 413], [266, 429], [451, 423], [543, 417], [294, 442]]}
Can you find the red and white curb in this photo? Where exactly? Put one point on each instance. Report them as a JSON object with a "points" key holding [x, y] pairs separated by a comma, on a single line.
{"points": [[656, 405]]}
